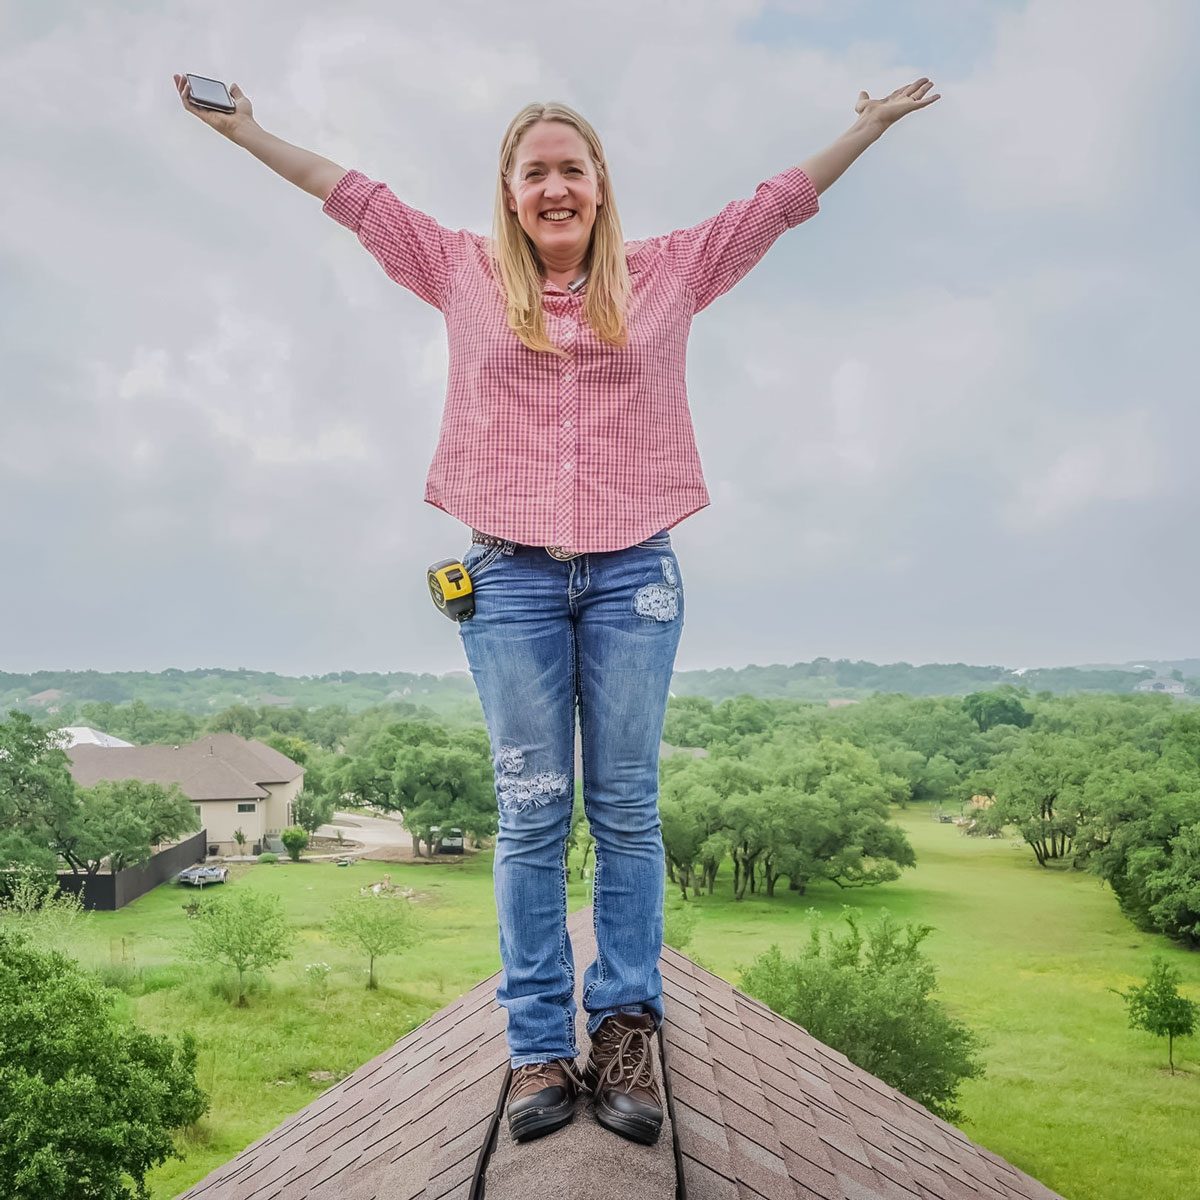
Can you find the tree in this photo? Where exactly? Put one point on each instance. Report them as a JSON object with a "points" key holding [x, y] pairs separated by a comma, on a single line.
{"points": [[377, 924], [244, 930], [138, 722], [1157, 1007], [295, 839], [579, 837], [1143, 838], [988, 709], [121, 821], [448, 787], [838, 826], [38, 800], [85, 1097], [1039, 788], [870, 998], [295, 748], [310, 811]]}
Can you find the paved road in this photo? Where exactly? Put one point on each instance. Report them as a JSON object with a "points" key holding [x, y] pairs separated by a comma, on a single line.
{"points": [[376, 833]]}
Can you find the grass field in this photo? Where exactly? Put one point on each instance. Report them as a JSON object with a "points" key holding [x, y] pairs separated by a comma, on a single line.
{"points": [[1026, 956]]}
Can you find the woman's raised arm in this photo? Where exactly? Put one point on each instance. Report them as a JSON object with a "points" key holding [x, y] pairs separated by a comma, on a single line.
{"points": [[874, 117], [308, 171]]}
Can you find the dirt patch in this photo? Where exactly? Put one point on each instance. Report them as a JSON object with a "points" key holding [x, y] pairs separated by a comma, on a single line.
{"points": [[404, 854], [329, 845]]}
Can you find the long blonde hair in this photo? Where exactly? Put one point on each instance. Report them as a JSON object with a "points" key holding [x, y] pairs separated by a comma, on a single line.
{"points": [[514, 257]]}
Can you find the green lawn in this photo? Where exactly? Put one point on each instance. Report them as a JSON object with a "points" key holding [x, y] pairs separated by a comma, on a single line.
{"points": [[1025, 956], [1071, 1095]]}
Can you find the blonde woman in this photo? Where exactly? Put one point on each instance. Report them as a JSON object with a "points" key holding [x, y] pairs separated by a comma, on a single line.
{"points": [[566, 446]]}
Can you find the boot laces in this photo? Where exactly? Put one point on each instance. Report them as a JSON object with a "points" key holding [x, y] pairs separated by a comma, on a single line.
{"points": [[632, 1062]]}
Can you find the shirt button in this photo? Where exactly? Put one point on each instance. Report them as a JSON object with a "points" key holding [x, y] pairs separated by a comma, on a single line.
{"points": [[568, 423], [569, 375], [568, 465]]}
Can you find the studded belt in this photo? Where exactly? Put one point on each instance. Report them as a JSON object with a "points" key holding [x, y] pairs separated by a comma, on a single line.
{"points": [[558, 552]]}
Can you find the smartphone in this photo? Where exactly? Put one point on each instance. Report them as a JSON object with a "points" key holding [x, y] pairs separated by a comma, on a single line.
{"points": [[210, 93]]}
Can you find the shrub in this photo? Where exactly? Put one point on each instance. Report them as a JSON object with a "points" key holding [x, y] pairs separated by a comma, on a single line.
{"points": [[268, 857], [869, 997], [295, 839]]}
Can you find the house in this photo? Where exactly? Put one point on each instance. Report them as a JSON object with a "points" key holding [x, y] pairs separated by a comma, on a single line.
{"points": [[1167, 686], [756, 1108], [233, 783], [85, 735]]}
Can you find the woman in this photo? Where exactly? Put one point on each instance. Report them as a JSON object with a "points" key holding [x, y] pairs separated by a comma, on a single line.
{"points": [[567, 446]]}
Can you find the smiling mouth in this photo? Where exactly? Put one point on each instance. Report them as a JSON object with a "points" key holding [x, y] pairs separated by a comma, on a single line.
{"points": [[558, 220]]}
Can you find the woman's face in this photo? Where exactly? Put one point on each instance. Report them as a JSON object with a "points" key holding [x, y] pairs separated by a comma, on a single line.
{"points": [[553, 173]]}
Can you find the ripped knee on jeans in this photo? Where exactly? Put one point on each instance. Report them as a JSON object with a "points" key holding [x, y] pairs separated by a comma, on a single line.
{"points": [[517, 792]]}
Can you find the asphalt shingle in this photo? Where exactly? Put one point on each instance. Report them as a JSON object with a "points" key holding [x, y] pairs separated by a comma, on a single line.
{"points": [[763, 1111]]}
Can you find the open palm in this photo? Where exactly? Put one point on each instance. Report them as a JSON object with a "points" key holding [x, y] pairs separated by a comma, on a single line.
{"points": [[897, 104]]}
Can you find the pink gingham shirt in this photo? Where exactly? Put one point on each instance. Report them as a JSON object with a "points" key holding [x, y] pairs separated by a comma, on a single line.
{"points": [[595, 451]]}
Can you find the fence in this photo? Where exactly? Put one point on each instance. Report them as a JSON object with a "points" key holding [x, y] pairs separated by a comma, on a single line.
{"points": [[110, 892]]}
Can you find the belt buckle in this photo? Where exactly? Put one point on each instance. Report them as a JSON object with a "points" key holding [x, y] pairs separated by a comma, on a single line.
{"points": [[561, 554]]}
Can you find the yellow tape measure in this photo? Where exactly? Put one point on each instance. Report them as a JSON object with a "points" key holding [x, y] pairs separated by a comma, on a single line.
{"points": [[451, 588]]}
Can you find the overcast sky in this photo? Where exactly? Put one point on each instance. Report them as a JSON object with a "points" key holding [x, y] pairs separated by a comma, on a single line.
{"points": [[953, 417]]}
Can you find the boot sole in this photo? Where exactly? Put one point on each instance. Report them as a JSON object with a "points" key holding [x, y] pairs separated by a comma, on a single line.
{"points": [[536, 1123], [637, 1129]]}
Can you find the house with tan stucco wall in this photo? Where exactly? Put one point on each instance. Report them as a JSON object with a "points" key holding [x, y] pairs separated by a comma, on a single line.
{"points": [[233, 782]]}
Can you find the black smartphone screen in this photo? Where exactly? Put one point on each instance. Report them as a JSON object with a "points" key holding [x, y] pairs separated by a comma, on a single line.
{"points": [[209, 91]]}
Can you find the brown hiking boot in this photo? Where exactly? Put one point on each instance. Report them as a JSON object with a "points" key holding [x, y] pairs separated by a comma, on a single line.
{"points": [[541, 1098], [620, 1075]]}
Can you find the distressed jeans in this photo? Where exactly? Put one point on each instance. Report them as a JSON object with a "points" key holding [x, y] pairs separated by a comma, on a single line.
{"points": [[598, 632]]}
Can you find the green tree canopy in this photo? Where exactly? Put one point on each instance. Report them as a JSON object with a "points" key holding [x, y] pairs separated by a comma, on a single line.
{"points": [[38, 800], [243, 930], [121, 821], [87, 1100], [1157, 1006], [375, 924]]}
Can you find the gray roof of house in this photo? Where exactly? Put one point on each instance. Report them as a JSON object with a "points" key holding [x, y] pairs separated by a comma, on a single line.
{"points": [[85, 735], [759, 1109], [217, 766]]}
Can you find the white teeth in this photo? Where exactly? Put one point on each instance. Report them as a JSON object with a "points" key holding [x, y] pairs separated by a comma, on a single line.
{"points": [[558, 215]]}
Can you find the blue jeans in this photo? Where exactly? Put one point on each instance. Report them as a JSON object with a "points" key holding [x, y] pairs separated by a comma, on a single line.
{"points": [[599, 631]]}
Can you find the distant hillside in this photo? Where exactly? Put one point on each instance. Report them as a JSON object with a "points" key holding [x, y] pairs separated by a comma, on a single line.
{"points": [[208, 690], [826, 679]]}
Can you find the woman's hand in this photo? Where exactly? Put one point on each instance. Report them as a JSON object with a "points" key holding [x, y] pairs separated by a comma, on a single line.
{"points": [[896, 105], [226, 123]]}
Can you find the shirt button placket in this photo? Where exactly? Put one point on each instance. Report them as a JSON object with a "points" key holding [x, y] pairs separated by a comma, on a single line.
{"points": [[568, 397]]}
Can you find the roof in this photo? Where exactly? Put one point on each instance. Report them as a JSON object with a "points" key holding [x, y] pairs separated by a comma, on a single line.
{"points": [[79, 735], [218, 766], [757, 1109]]}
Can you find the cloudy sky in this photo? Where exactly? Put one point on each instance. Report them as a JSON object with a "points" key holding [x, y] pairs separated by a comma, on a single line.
{"points": [[954, 417]]}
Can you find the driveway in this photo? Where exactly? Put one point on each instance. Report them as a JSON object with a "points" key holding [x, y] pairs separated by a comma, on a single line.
{"points": [[382, 837]]}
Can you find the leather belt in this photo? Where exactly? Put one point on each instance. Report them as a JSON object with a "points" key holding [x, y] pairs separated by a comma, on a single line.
{"points": [[558, 552]]}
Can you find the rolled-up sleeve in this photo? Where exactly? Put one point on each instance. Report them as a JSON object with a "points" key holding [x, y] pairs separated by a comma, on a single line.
{"points": [[411, 246], [712, 256]]}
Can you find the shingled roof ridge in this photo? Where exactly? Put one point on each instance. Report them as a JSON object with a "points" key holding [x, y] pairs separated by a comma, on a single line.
{"points": [[759, 1108]]}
